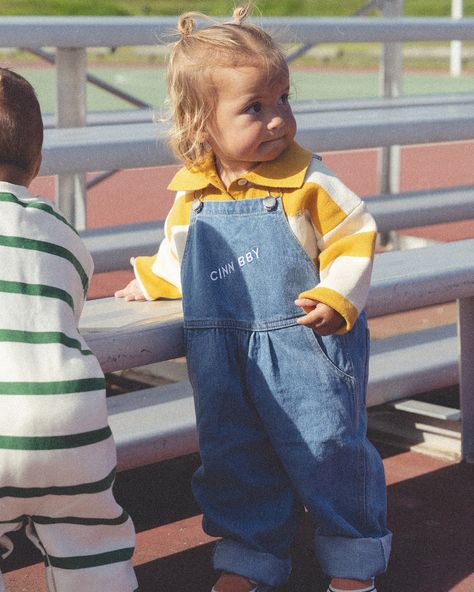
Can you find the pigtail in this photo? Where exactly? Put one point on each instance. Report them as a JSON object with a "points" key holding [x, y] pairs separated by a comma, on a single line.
{"points": [[186, 24], [240, 14]]}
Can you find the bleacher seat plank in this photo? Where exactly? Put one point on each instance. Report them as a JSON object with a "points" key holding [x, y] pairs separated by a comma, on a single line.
{"points": [[153, 424], [116, 146]]}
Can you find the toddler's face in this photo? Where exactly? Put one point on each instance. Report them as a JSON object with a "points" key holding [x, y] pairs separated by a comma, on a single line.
{"points": [[253, 121]]}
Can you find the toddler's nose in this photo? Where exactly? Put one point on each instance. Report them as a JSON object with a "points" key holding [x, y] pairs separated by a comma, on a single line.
{"points": [[276, 122]]}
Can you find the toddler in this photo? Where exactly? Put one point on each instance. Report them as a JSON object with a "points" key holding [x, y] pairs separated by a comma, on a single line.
{"points": [[57, 455], [272, 255]]}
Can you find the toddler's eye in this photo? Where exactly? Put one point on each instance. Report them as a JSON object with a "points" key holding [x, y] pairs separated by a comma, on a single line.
{"points": [[254, 108], [285, 99]]}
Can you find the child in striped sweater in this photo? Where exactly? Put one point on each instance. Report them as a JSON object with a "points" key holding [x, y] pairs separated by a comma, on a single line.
{"points": [[57, 455], [272, 255]]}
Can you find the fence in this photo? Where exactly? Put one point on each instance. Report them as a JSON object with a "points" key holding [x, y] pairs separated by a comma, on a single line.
{"points": [[72, 35]]}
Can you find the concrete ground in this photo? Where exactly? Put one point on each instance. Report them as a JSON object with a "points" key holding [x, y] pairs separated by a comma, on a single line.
{"points": [[430, 514]]}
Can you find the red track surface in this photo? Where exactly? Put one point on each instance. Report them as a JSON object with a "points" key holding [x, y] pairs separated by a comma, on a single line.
{"points": [[430, 514]]}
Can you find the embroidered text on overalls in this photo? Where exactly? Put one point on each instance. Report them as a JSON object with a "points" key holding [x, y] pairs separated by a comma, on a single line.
{"points": [[225, 270]]}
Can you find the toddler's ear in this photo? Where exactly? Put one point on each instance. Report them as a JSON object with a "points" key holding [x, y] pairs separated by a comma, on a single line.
{"points": [[203, 136]]}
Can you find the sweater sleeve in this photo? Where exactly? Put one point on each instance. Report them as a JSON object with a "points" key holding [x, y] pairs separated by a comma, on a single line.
{"points": [[346, 235], [159, 275]]}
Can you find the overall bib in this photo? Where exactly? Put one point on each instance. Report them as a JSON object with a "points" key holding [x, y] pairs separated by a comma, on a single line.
{"points": [[280, 410]]}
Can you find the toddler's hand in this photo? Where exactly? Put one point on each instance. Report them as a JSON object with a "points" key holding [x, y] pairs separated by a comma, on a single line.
{"points": [[319, 316], [132, 291]]}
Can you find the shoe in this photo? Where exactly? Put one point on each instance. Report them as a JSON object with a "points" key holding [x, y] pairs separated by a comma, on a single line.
{"points": [[235, 583], [365, 590]]}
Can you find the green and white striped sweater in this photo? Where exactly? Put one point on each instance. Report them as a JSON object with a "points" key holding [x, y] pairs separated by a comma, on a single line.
{"points": [[57, 455]]}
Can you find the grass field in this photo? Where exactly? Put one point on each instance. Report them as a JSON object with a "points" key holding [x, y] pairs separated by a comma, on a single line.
{"points": [[148, 85], [216, 7]]}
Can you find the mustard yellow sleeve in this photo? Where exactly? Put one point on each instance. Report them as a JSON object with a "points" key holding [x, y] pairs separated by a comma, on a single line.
{"points": [[153, 286], [159, 275], [346, 235]]}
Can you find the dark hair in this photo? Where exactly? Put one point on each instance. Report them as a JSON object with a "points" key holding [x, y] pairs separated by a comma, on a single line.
{"points": [[21, 124]]}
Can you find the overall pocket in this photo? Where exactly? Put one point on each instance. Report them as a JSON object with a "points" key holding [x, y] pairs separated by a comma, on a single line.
{"points": [[332, 350]]}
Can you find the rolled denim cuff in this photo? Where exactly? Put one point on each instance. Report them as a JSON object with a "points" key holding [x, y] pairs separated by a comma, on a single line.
{"points": [[6, 547], [354, 558], [264, 568]]}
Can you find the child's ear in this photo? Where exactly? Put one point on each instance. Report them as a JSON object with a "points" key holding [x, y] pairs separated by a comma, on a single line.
{"points": [[204, 138]]}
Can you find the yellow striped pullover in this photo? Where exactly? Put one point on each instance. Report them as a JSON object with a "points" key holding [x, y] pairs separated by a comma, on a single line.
{"points": [[330, 221]]}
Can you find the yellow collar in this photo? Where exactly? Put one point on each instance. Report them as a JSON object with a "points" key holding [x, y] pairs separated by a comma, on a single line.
{"points": [[287, 171]]}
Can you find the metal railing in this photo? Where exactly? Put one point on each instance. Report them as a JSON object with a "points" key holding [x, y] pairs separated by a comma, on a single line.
{"points": [[72, 35]]}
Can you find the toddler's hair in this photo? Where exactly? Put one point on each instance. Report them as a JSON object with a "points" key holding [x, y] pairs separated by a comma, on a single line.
{"points": [[21, 125], [194, 57]]}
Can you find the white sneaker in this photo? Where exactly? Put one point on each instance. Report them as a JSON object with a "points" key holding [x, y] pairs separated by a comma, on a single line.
{"points": [[258, 587], [373, 589]]}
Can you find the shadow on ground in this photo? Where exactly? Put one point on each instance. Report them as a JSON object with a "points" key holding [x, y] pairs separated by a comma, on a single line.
{"points": [[431, 516]]}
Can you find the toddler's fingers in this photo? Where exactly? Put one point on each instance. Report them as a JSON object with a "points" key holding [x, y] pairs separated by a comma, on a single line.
{"points": [[306, 302], [312, 318]]}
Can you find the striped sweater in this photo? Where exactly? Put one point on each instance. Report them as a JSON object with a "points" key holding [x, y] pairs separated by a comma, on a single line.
{"points": [[57, 454], [328, 219]]}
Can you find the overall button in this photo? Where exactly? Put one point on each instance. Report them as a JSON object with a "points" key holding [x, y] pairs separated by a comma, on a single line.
{"points": [[242, 182], [270, 203], [197, 205]]}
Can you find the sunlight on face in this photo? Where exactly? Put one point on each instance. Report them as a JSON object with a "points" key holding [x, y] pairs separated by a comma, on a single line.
{"points": [[253, 120]]}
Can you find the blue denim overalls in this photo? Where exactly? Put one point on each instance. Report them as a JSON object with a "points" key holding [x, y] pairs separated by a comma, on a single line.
{"points": [[280, 410]]}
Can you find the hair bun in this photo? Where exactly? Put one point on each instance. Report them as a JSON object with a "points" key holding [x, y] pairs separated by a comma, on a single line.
{"points": [[240, 13], [186, 24]]}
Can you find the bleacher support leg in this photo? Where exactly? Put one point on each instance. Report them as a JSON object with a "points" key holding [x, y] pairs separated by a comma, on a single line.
{"points": [[466, 374], [71, 65]]}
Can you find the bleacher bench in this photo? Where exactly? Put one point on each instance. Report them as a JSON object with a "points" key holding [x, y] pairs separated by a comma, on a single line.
{"points": [[322, 126], [158, 423]]}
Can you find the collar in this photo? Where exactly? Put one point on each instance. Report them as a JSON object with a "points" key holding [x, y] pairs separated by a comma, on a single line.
{"points": [[286, 171], [19, 191]]}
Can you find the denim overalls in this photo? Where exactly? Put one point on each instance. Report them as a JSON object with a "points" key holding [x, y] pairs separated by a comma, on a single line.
{"points": [[280, 410]]}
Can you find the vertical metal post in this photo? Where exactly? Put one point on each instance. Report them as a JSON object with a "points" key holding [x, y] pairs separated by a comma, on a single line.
{"points": [[71, 71], [466, 374], [455, 58], [390, 86]]}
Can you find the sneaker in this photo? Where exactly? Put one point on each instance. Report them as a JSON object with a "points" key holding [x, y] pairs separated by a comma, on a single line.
{"points": [[234, 583], [373, 589]]}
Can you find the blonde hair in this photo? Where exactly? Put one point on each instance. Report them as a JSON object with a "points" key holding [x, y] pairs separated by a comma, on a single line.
{"points": [[193, 58]]}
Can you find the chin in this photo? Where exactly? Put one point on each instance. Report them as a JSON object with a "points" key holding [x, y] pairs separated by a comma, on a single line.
{"points": [[273, 149]]}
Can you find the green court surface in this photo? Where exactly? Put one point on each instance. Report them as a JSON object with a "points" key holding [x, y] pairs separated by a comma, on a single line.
{"points": [[148, 85]]}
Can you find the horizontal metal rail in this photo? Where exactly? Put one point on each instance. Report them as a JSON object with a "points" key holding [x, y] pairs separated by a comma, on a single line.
{"points": [[111, 147], [112, 246], [73, 32], [125, 335], [402, 280]]}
